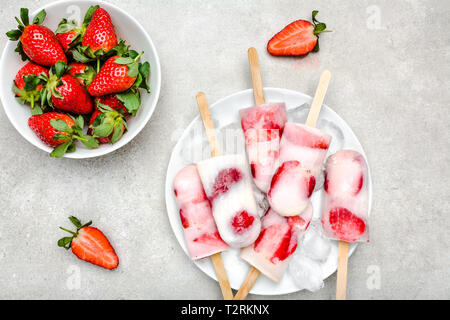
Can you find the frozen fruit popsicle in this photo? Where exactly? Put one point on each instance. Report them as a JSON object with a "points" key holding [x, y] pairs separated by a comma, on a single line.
{"points": [[291, 187], [227, 183], [200, 231], [272, 251], [304, 144], [263, 126], [302, 152], [345, 207]]}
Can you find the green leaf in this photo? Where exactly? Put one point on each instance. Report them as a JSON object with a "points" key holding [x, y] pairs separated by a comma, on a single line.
{"points": [[79, 122], [64, 26], [123, 60], [133, 54], [98, 120], [60, 136], [39, 18], [60, 68], [36, 110], [60, 125], [60, 150], [103, 130], [76, 222], [89, 14], [80, 57], [20, 51], [90, 142], [14, 35], [24, 16], [133, 70], [65, 242], [130, 100], [31, 81], [118, 133], [144, 70], [320, 27]]}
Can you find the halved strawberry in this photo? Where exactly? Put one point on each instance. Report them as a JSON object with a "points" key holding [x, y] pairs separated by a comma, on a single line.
{"points": [[298, 38], [346, 226], [90, 244]]}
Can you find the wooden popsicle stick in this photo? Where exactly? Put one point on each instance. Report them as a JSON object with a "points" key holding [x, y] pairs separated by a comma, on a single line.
{"points": [[341, 284], [247, 285], [216, 259], [317, 103], [258, 91]]}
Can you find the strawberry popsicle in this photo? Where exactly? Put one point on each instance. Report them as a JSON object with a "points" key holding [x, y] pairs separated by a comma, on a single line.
{"points": [[263, 126], [276, 243], [302, 152], [228, 186], [200, 231], [345, 208]]}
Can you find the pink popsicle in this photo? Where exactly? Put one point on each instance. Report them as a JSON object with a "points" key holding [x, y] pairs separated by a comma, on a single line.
{"points": [[276, 243], [302, 152], [200, 230], [345, 208], [263, 126]]}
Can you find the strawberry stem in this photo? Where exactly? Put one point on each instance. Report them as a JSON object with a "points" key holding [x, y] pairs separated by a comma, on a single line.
{"points": [[139, 55], [71, 232]]}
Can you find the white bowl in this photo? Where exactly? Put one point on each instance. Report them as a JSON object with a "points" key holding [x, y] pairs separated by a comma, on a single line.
{"points": [[126, 28]]}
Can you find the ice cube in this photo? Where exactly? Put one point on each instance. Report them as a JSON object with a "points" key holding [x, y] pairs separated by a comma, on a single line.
{"points": [[306, 273], [313, 245]]}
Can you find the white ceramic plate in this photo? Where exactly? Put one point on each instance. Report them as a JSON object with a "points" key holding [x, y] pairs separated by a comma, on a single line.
{"points": [[126, 28], [225, 114]]}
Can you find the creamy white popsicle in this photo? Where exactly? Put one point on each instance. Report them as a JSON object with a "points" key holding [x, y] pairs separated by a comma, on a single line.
{"points": [[263, 126], [227, 183], [200, 231], [345, 207], [272, 251], [302, 152]]}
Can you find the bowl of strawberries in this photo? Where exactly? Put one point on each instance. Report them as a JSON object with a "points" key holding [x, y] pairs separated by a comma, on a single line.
{"points": [[80, 78]]}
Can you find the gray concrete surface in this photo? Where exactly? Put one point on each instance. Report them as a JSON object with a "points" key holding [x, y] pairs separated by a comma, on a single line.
{"points": [[391, 84]]}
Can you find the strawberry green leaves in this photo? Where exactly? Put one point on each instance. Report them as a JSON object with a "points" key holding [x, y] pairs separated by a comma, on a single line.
{"points": [[69, 134], [108, 123], [14, 35], [319, 27], [67, 241]]}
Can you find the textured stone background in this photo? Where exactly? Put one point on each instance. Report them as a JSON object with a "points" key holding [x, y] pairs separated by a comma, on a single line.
{"points": [[391, 84]]}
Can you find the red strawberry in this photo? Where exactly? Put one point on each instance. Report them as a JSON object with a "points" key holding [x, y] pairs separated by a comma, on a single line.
{"points": [[37, 42], [113, 102], [242, 221], [90, 244], [28, 85], [68, 33], [58, 130], [64, 92], [106, 124], [115, 76], [298, 38], [83, 72], [346, 226], [100, 34]]}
